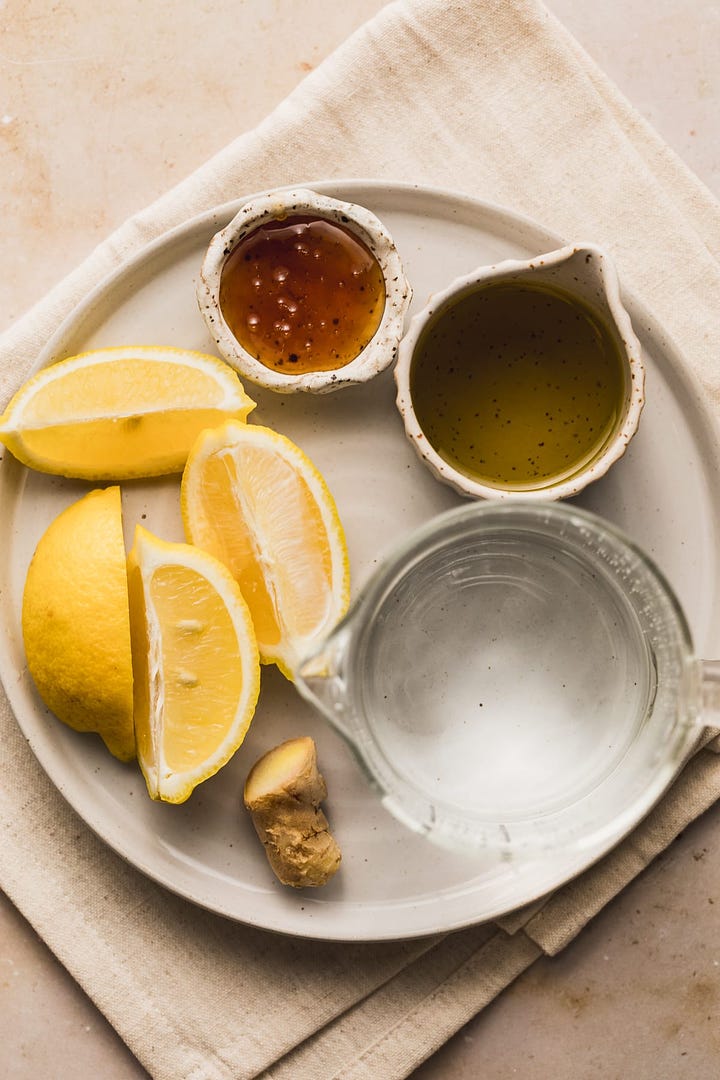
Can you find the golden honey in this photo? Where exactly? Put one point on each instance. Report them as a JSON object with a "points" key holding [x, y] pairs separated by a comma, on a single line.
{"points": [[302, 294]]}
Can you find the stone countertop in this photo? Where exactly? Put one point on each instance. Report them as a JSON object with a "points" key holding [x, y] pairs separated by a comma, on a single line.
{"points": [[638, 993]]}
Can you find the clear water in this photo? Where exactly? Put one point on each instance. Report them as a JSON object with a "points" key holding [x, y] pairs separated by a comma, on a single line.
{"points": [[505, 676]]}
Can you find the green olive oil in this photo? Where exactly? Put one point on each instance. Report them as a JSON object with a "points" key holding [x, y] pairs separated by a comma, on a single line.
{"points": [[517, 386]]}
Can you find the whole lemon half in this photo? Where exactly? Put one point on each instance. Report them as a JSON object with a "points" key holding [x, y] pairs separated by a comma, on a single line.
{"points": [[76, 623]]}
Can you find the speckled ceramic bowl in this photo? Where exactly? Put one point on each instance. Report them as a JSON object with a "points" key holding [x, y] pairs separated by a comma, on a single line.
{"points": [[373, 357], [581, 273]]}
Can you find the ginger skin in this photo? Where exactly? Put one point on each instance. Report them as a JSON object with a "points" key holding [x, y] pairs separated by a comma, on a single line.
{"points": [[283, 792]]}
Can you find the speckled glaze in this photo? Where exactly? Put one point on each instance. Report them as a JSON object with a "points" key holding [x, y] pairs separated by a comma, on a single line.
{"points": [[380, 351], [583, 271]]}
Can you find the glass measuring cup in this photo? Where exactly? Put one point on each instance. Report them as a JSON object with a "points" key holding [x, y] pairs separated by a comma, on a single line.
{"points": [[517, 676]]}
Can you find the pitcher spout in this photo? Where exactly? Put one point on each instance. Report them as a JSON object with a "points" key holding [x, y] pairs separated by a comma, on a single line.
{"points": [[321, 680], [588, 272]]}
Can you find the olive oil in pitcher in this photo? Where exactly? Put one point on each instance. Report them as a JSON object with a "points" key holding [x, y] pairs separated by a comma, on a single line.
{"points": [[518, 385]]}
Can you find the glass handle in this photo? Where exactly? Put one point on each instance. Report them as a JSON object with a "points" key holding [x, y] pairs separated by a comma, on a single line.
{"points": [[710, 693]]}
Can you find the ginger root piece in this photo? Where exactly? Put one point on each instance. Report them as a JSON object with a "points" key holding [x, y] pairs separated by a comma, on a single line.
{"points": [[283, 792]]}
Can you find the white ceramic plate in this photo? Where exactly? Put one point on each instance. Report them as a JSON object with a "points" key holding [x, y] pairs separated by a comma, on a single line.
{"points": [[392, 884]]}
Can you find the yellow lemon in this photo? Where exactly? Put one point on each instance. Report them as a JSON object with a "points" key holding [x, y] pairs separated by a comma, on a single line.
{"points": [[75, 621], [254, 500], [195, 658], [120, 413]]}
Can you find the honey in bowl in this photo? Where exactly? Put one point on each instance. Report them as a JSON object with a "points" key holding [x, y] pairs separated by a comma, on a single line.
{"points": [[517, 385], [302, 294]]}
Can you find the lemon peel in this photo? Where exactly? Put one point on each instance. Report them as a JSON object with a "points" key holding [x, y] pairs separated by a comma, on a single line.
{"points": [[75, 621]]}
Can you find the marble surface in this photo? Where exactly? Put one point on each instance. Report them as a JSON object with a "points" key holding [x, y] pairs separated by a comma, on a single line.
{"points": [[638, 994]]}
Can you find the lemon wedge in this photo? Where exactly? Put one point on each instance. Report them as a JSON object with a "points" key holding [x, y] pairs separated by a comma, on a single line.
{"points": [[75, 621], [253, 499], [195, 660], [120, 413]]}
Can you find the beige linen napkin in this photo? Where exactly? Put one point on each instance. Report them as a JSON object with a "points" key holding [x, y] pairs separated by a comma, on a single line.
{"points": [[495, 99]]}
